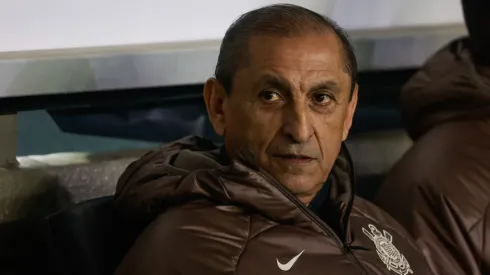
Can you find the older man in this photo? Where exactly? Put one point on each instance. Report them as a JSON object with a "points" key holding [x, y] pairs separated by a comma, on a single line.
{"points": [[279, 196]]}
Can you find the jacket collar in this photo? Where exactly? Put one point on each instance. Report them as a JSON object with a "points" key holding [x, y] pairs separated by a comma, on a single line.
{"points": [[192, 168]]}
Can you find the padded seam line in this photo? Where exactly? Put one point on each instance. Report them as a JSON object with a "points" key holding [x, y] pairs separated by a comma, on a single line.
{"points": [[245, 244]]}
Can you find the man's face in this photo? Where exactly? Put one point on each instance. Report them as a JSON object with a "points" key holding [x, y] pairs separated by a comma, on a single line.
{"points": [[290, 104]]}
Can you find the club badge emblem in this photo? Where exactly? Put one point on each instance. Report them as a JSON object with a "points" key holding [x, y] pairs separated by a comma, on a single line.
{"points": [[387, 252]]}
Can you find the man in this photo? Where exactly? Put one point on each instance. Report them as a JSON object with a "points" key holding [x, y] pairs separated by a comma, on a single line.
{"points": [[443, 181], [283, 98]]}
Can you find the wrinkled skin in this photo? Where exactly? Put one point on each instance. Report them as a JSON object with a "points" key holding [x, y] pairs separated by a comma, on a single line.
{"points": [[290, 103]]}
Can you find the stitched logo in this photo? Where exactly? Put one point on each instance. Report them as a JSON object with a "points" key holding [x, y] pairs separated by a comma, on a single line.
{"points": [[387, 252]]}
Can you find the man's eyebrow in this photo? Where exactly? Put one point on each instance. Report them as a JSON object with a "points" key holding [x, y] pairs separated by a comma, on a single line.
{"points": [[326, 85], [273, 81]]}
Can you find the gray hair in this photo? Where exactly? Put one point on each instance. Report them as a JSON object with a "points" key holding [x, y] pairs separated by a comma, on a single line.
{"points": [[283, 20]]}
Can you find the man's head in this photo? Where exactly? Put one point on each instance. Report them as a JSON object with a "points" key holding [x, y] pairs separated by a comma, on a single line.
{"points": [[286, 87]]}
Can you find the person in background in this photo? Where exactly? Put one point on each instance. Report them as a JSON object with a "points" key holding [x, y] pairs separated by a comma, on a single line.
{"points": [[279, 196], [443, 181]]}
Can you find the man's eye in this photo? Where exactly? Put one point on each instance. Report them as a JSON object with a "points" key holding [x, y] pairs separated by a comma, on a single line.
{"points": [[270, 96], [322, 98]]}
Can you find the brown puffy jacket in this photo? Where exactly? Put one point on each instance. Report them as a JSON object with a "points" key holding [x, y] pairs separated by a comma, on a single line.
{"points": [[443, 181], [218, 216]]}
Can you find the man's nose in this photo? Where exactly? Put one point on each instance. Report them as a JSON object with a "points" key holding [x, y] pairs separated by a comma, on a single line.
{"points": [[297, 124]]}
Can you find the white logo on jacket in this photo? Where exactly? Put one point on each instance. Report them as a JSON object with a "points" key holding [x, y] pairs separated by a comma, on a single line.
{"points": [[387, 252], [288, 265]]}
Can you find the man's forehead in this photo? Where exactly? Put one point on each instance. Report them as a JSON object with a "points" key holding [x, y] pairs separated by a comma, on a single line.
{"points": [[306, 59], [308, 54], [314, 49]]}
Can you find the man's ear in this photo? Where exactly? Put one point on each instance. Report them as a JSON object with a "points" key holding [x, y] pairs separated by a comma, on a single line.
{"points": [[351, 108], [215, 98]]}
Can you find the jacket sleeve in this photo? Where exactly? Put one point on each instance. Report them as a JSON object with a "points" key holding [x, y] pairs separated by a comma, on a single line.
{"points": [[195, 239]]}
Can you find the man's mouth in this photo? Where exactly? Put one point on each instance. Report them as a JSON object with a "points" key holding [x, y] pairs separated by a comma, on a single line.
{"points": [[294, 158]]}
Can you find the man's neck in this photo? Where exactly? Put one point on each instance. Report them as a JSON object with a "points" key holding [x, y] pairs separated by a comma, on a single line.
{"points": [[306, 199], [316, 202]]}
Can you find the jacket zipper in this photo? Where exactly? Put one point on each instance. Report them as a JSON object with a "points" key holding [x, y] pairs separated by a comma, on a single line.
{"points": [[342, 246]]}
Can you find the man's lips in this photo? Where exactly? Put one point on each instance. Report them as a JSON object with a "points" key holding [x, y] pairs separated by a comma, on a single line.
{"points": [[294, 158]]}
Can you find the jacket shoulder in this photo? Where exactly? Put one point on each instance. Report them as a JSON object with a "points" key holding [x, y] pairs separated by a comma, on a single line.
{"points": [[366, 209], [443, 172], [196, 238]]}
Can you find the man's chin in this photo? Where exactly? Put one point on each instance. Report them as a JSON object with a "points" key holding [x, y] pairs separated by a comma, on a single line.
{"points": [[299, 184]]}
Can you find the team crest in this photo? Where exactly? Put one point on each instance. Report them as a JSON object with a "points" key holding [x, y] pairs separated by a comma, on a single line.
{"points": [[387, 252]]}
